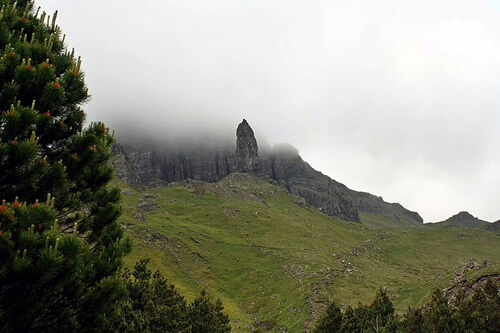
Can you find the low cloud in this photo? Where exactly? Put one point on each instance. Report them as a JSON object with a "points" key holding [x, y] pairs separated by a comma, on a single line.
{"points": [[396, 98]]}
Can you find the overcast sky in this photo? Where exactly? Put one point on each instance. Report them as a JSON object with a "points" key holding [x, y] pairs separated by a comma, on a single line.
{"points": [[397, 98]]}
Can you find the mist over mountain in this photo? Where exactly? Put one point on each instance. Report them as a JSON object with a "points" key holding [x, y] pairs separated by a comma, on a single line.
{"points": [[140, 164], [398, 98]]}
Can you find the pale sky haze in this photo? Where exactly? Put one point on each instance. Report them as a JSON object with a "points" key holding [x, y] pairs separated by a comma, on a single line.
{"points": [[397, 98]]}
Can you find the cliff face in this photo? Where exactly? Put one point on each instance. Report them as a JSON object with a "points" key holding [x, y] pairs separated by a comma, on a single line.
{"points": [[153, 167], [494, 227], [136, 167]]}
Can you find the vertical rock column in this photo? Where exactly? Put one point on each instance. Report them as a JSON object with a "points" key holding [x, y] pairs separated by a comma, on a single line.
{"points": [[247, 158]]}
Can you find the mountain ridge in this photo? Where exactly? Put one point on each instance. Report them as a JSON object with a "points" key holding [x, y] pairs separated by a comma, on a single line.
{"points": [[461, 220], [152, 166]]}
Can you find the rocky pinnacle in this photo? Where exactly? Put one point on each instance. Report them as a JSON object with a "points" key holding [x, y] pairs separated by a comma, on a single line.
{"points": [[247, 158], [156, 167]]}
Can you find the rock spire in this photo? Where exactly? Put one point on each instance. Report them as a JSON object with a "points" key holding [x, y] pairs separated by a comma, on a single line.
{"points": [[247, 157]]}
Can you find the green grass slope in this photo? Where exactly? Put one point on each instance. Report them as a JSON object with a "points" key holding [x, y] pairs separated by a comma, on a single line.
{"points": [[376, 221], [275, 262]]}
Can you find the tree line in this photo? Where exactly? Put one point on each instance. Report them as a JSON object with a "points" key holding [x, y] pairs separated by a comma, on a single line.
{"points": [[478, 312]]}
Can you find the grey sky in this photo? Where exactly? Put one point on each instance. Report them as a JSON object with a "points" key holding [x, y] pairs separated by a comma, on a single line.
{"points": [[397, 98]]}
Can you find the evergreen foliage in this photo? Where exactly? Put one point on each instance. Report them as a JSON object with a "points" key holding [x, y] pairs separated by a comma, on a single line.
{"points": [[155, 306], [439, 315], [60, 259], [413, 320], [382, 312], [206, 317], [331, 321], [60, 243], [479, 312]]}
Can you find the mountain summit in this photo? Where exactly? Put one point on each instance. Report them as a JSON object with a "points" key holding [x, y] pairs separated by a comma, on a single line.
{"points": [[461, 220], [463, 216], [157, 166]]}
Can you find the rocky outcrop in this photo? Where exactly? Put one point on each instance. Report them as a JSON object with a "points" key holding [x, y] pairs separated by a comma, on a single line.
{"points": [[202, 165], [123, 167], [494, 227], [153, 166], [460, 283], [318, 190], [247, 157], [137, 167]]}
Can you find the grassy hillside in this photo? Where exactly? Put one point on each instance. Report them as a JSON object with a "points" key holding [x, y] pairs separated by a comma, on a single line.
{"points": [[375, 221], [275, 262]]}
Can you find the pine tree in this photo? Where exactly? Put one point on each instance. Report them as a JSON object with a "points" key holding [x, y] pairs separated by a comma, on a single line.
{"points": [[60, 243], [492, 306], [481, 311], [206, 317], [383, 311], [413, 321], [152, 304], [439, 316], [331, 321], [358, 319]]}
